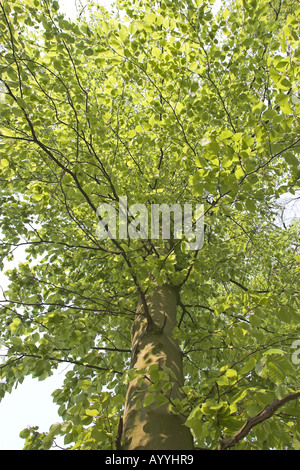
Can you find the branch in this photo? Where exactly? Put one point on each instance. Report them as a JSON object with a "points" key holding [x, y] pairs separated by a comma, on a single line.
{"points": [[238, 284], [66, 245], [61, 305], [184, 311], [266, 413], [60, 360], [118, 439]]}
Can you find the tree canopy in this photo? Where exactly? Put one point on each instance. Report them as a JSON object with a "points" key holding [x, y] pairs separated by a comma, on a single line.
{"points": [[162, 102]]}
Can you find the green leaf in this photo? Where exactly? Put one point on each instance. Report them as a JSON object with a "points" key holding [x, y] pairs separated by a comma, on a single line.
{"points": [[248, 366], [21, 102], [132, 133], [89, 52], [149, 399], [92, 413], [275, 373], [150, 18], [99, 435], [250, 205], [15, 324], [225, 134], [25, 433], [84, 384], [291, 159], [4, 163], [154, 372], [274, 351], [296, 444], [231, 373]]}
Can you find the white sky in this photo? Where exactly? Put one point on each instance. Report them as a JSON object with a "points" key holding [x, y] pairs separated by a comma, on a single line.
{"points": [[69, 6]]}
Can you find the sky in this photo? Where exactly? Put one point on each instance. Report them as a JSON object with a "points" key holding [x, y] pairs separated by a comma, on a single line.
{"points": [[69, 6]]}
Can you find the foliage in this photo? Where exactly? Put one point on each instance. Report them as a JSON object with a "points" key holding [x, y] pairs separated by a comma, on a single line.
{"points": [[163, 102]]}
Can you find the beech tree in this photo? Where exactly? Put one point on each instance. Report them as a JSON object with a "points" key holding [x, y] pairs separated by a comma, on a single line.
{"points": [[160, 102]]}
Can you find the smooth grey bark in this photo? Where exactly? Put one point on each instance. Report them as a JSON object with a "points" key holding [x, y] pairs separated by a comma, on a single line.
{"points": [[155, 427]]}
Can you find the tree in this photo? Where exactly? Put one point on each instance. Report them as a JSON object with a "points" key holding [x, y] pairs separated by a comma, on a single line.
{"points": [[161, 102]]}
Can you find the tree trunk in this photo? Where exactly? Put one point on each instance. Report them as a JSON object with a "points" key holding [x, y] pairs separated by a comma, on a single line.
{"points": [[155, 427]]}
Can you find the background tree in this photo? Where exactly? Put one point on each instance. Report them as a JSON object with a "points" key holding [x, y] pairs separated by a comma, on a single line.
{"points": [[161, 102]]}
